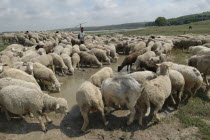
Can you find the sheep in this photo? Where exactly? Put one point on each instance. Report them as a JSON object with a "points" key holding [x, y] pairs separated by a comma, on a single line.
{"points": [[75, 49], [75, 60], [82, 47], [89, 97], [17, 74], [138, 47], [41, 51], [8, 81], [202, 63], [102, 74], [142, 76], [58, 61], [29, 55], [141, 60], [67, 60], [156, 91], [153, 61], [192, 77], [113, 53], [177, 82], [58, 49], [101, 55], [167, 47], [42, 73], [129, 60], [199, 50], [122, 90], [86, 58], [45, 60], [66, 51], [21, 100]]}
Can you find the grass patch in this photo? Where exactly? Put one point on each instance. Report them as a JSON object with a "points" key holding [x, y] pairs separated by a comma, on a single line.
{"points": [[202, 27], [180, 56], [3, 46], [192, 115]]}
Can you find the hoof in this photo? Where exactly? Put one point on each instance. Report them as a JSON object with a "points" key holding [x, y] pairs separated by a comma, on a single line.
{"points": [[45, 131]]}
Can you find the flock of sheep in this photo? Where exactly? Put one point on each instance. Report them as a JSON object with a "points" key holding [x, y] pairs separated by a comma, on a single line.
{"points": [[31, 63]]}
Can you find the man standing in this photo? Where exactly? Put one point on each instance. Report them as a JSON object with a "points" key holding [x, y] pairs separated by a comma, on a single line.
{"points": [[81, 36]]}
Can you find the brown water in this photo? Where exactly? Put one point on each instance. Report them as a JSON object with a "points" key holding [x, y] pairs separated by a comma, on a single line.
{"points": [[72, 83]]}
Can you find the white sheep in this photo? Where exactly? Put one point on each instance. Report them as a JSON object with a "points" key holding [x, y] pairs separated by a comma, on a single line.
{"points": [[142, 76], [58, 61], [67, 60], [41, 51], [91, 59], [101, 55], [192, 77], [17, 74], [21, 100], [46, 60], [101, 75], [88, 97], [156, 91], [58, 49], [75, 60], [142, 60], [8, 81], [42, 73], [122, 90]]}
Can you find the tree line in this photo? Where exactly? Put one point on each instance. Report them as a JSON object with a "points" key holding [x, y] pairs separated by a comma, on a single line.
{"points": [[162, 21]]}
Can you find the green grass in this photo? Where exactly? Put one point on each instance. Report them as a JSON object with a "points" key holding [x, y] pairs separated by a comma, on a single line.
{"points": [[202, 27], [3, 46], [198, 108]]}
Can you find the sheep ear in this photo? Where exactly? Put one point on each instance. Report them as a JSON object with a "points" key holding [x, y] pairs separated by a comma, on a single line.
{"points": [[5, 64], [158, 65], [57, 106]]}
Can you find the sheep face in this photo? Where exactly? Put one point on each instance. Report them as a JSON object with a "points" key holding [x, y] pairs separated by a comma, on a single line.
{"points": [[119, 68], [2, 67], [61, 106]]}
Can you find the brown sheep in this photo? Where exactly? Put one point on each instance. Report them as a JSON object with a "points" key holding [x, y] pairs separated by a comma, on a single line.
{"points": [[129, 60]]}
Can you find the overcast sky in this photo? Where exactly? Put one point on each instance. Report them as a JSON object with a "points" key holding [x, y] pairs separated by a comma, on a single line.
{"points": [[17, 15]]}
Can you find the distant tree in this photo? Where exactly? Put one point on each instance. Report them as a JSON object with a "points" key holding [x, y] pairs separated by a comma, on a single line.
{"points": [[161, 21]]}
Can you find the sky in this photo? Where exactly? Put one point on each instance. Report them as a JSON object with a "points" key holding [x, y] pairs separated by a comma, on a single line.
{"points": [[22, 15]]}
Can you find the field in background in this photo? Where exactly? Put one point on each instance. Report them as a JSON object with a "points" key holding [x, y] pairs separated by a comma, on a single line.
{"points": [[202, 27]]}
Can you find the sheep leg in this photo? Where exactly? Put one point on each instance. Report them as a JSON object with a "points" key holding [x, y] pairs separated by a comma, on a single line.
{"points": [[39, 118], [86, 120], [172, 98], [141, 115], [103, 115], [132, 114], [47, 118], [127, 67], [7, 115], [53, 68], [21, 116], [158, 106], [179, 94], [206, 80]]}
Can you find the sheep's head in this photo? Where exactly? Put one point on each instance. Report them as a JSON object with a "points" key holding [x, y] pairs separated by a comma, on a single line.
{"points": [[61, 106], [119, 68], [65, 69], [29, 66], [164, 69]]}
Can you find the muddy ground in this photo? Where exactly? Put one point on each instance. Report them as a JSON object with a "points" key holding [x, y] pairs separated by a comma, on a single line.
{"points": [[68, 127]]}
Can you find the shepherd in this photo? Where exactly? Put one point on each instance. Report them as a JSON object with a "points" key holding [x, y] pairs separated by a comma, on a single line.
{"points": [[81, 36]]}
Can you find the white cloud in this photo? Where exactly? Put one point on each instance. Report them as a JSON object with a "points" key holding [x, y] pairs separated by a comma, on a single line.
{"points": [[53, 14]]}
